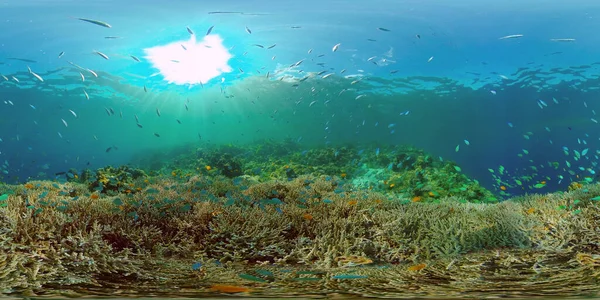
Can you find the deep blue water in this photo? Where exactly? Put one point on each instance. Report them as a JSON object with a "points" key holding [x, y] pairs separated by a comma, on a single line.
{"points": [[443, 61]]}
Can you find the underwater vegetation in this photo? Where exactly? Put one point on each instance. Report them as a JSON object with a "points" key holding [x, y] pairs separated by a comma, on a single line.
{"points": [[206, 231]]}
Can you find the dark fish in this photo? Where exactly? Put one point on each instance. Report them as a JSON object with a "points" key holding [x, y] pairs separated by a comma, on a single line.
{"points": [[156, 134], [108, 149], [158, 112], [210, 30], [383, 29], [189, 31], [145, 89], [418, 36], [371, 40], [139, 125], [272, 46], [99, 23], [259, 45], [224, 12], [295, 27], [112, 37], [22, 59], [178, 121], [60, 173], [61, 54]]}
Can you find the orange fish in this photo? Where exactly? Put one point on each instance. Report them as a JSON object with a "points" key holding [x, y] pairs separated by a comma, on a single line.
{"points": [[208, 168], [307, 217], [418, 267], [352, 202], [94, 196], [416, 199], [503, 188], [28, 186], [530, 211], [224, 288]]}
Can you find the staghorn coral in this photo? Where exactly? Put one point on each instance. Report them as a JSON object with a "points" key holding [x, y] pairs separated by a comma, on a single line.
{"points": [[59, 235]]}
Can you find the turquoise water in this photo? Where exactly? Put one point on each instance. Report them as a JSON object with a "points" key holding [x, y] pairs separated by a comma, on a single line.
{"points": [[444, 64], [506, 89]]}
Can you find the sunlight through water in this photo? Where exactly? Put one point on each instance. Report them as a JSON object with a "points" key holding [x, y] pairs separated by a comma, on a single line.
{"points": [[190, 62]]}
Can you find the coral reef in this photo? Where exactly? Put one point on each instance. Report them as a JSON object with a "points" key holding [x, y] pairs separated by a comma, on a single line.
{"points": [[110, 179], [434, 231]]}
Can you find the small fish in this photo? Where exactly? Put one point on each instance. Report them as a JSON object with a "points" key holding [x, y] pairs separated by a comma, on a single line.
{"points": [[92, 72], [248, 30], [189, 30], [467, 143], [65, 122], [156, 134], [73, 113], [512, 36], [210, 30], [139, 125], [259, 45], [184, 48], [31, 105], [178, 121], [112, 37], [272, 46], [186, 106], [82, 77], [145, 89], [158, 112], [562, 40], [108, 149], [135, 58], [457, 148], [99, 23], [15, 78], [22, 59], [61, 54], [383, 29], [86, 95], [35, 75], [101, 54], [430, 59], [335, 47]]}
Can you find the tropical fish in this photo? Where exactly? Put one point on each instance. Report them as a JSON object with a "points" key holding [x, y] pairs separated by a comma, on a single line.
{"points": [[99, 23], [35, 75], [101, 54], [336, 47], [512, 36]]}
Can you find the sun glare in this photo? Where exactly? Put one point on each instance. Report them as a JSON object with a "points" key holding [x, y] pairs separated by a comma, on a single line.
{"points": [[191, 62]]}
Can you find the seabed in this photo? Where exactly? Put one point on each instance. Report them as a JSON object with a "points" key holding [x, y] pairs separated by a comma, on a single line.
{"points": [[122, 233]]}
